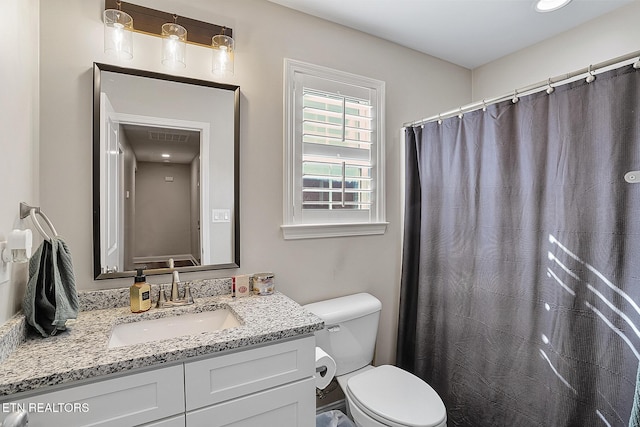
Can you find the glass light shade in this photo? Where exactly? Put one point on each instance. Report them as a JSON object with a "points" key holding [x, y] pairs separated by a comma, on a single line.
{"points": [[118, 34], [174, 45], [222, 63], [550, 5]]}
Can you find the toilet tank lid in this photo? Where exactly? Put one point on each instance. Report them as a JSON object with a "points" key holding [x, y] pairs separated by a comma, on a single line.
{"points": [[345, 308]]}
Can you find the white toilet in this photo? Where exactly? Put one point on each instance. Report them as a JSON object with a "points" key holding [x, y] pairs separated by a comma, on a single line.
{"points": [[376, 396]]}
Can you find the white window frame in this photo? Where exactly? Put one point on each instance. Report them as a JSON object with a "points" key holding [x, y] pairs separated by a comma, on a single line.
{"points": [[294, 227]]}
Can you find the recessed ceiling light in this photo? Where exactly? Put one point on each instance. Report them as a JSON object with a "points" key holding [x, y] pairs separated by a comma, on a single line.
{"points": [[550, 5]]}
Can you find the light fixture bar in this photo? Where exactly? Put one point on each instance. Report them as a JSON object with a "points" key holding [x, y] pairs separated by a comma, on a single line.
{"points": [[150, 21]]}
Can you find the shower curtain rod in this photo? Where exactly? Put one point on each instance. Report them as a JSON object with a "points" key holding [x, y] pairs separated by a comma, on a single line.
{"points": [[527, 89]]}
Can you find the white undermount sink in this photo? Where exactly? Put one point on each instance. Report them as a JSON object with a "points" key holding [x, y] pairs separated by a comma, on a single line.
{"points": [[171, 326]]}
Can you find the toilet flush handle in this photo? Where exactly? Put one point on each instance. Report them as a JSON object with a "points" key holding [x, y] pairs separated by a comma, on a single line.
{"points": [[333, 328]]}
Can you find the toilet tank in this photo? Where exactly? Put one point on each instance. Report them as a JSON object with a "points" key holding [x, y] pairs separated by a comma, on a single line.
{"points": [[350, 329]]}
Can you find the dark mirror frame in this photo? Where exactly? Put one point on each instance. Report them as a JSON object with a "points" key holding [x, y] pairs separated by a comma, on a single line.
{"points": [[97, 69]]}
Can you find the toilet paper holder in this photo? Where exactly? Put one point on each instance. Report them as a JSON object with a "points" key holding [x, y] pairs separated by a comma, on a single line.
{"points": [[325, 368]]}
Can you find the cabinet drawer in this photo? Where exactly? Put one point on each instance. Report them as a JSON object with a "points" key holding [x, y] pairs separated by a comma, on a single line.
{"points": [[124, 401], [226, 377], [291, 405]]}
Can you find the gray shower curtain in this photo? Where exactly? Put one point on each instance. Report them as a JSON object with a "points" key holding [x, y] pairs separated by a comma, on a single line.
{"points": [[521, 264]]}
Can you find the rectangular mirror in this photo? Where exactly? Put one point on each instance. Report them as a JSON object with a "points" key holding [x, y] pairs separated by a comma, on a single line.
{"points": [[165, 173]]}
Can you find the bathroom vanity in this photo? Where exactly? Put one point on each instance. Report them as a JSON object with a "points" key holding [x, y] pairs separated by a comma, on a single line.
{"points": [[258, 373]]}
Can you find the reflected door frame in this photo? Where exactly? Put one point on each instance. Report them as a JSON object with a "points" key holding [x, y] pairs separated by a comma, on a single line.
{"points": [[110, 161], [204, 129]]}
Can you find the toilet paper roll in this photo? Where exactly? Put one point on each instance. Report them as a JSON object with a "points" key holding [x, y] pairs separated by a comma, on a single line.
{"points": [[325, 368]]}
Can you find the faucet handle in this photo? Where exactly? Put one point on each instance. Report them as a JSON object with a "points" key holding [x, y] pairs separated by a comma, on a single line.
{"points": [[162, 298], [187, 294]]}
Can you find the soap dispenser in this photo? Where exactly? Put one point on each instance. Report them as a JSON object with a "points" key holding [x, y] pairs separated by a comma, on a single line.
{"points": [[140, 293]]}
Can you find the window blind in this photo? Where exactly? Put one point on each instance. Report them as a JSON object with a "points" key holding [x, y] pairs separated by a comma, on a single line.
{"points": [[336, 151]]}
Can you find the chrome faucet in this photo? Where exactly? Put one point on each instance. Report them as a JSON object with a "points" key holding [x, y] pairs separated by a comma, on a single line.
{"points": [[175, 299], [175, 279]]}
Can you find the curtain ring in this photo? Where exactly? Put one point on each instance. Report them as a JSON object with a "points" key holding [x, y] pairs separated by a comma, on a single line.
{"points": [[590, 78], [550, 88], [484, 105], [636, 64], [460, 115], [439, 120], [515, 97]]}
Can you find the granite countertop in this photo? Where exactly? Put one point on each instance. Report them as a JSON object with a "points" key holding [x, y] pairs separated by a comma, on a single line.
{"points": [[82, 351]]}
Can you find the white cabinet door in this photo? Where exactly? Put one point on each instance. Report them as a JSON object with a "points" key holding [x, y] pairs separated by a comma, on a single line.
{"points": [[226, 377], [120, 402], [291, 405]]}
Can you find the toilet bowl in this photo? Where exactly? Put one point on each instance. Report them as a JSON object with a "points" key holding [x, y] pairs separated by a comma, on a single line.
{"points": [[388, 396], [376, 396]]}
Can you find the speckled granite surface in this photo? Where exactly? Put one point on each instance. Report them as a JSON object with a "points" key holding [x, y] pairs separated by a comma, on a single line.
{"points": [[12, 334], [14, 331], [82, 351], [112, 298]]}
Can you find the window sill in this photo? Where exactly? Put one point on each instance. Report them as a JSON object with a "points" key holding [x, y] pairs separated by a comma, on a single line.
{"points": [[318, 231]]}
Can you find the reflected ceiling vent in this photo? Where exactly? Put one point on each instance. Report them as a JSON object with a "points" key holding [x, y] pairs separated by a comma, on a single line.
{"points": [[169, 135]]}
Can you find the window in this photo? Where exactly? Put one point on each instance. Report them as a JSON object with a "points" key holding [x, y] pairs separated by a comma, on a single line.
{"points": [[334, 153]]}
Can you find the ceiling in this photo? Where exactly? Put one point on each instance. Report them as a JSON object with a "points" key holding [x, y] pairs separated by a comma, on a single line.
{"points": [[469, 33], [148, 143]]}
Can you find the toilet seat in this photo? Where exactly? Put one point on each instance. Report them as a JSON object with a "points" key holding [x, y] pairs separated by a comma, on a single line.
{"points": [[396, 398]]}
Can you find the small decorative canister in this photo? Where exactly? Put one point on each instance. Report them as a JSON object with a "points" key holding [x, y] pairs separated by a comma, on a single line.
{"points": [[263, 284]]}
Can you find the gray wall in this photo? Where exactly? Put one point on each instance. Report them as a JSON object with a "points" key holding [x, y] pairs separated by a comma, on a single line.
{"points": [[265, 33], [417, 86], [19, 129], [163, 209], [607, 37]]}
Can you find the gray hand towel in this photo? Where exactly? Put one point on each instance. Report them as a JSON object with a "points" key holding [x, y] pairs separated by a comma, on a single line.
{"points": [[51, 297]]}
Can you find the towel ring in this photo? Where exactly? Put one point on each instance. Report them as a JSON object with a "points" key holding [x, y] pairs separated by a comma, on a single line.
{"points": [[31, 211]]}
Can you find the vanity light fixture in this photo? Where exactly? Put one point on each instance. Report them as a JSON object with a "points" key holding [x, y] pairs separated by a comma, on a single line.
{"points": [[174, 36], [223, 52], [550, 5], [118, 28], [165, 155], [174, 44]]}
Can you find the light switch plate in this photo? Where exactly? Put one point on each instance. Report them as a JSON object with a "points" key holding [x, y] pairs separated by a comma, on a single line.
{"points": [[4, 266], [221, 215]]}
